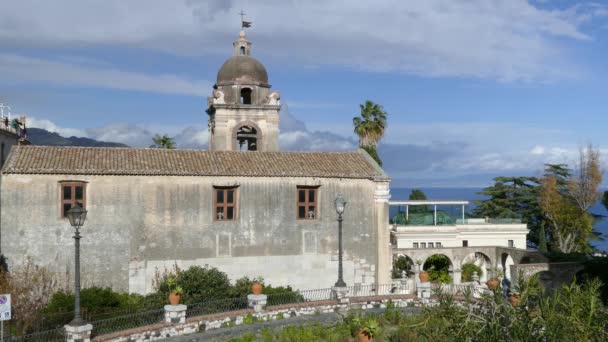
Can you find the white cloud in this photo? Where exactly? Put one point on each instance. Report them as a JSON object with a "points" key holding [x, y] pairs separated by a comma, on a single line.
{"points": [[496, 39], [23, 68], [537, 150], [52, 127]]}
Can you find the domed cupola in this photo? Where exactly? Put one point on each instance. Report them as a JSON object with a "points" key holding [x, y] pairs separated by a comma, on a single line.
{"points": [[242, 68]]}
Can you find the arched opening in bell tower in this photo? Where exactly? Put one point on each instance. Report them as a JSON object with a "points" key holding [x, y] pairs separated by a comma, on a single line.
{"points": [[242, 50], [247, 138], [246, 96]]}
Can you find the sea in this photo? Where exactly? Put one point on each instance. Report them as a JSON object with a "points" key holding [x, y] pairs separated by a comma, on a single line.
{"points": [[472, 194]]}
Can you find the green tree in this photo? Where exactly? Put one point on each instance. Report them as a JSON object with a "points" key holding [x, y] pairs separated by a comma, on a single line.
{"points": [[542, 239], [370, 127], [467, 271], [513, 197], [418, 195], [438, 266], [163, 141], [570, 227], [562, 174]]}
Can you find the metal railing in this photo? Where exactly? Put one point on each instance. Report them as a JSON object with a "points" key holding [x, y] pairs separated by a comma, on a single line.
{"points": [[134, 320], [300, 296], [378, 290], [217, 306]]}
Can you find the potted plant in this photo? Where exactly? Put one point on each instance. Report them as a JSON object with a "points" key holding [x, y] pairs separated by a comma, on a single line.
{"points": [[493, 282], [368, 330], [257, 287], [423, 275], [175, 291], [515, 298]]}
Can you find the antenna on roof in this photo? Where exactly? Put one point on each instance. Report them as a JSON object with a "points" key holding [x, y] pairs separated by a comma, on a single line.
{"points": [[4, 108]]}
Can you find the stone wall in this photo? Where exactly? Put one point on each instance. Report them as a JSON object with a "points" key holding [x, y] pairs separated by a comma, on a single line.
{"points": [[138, 225]]}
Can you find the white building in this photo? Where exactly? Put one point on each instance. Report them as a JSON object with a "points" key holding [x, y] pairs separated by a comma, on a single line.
{"points": [[461, 232]]}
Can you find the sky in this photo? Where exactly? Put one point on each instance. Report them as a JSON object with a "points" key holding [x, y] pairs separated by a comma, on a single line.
{"points": [[473, 88]]}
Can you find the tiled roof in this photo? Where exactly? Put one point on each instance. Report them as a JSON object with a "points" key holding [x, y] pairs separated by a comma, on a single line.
{"points": [[151, 161]]}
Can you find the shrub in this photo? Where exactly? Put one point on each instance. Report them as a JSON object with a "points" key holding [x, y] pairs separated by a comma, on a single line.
{"points": [[437, 266], [401, 264], [95, 300], [31, 287], [200, 284], [467, 271]]}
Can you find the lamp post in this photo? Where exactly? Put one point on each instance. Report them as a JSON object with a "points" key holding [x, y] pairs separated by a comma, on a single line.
{"points": [[340, 204], [77, 215]]}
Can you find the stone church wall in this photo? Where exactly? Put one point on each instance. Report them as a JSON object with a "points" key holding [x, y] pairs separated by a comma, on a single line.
{"points": [[137, 225]]}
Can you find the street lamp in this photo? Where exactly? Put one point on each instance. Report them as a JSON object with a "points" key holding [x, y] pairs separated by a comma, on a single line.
{"points": [[340, 204], [77, 215]]}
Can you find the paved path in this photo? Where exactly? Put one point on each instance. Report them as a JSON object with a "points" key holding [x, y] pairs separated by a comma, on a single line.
{"points": [[225, 334]]}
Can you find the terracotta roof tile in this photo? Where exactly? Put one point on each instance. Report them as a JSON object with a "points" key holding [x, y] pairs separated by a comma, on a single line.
{"points": [[150, 161]]}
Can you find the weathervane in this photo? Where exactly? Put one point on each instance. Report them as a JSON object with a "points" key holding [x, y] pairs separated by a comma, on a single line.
{"points": [[244, 23]]}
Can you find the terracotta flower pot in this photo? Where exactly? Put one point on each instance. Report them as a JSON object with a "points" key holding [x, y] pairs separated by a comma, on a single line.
{"points": [[257, 288], [424, 277], [363, 337], [493, 283], [174, 298], [514, 300]]}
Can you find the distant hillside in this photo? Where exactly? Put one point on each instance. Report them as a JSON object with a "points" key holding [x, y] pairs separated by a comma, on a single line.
{"points": [[39, 136]]}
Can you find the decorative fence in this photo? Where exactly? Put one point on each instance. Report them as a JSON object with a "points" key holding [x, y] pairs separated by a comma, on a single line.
{"points": [[134, 320], [236, 305], [217, 306]]}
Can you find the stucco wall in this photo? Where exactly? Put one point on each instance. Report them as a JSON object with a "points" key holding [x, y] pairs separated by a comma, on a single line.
{"points": [[453, 235], [136, 224]]}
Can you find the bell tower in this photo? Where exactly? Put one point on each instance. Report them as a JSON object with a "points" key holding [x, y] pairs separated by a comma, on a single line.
{"points": [[243, 111]]}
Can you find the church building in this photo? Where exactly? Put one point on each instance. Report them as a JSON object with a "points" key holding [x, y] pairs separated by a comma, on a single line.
{"points": [[242, 206]]}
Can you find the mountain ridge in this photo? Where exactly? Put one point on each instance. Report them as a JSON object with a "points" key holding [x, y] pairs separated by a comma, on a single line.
{"points": [[40, 136]]}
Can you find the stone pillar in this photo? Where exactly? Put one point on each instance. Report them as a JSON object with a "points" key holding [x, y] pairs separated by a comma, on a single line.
{"points": [[456, 277], [384, 258], [257, 302], [340, 294], [424, 290], [405, 287], [81, 333], [175, 313]]}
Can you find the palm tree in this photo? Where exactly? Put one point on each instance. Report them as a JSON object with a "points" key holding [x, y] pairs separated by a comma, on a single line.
{"points": [[370, 126], [163, 141]]}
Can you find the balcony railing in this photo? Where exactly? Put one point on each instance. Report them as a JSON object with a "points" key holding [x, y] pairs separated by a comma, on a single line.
{"points": [[443, 219]]}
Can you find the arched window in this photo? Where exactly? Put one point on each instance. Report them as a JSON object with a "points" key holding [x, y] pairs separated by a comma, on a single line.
{"points": [[247, 138], [242, 50], [246, 96]]}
